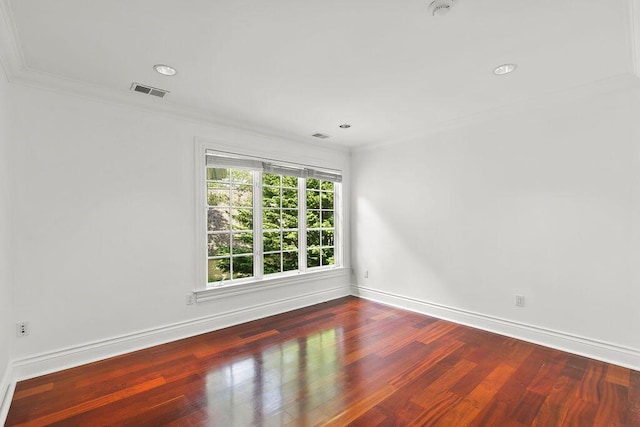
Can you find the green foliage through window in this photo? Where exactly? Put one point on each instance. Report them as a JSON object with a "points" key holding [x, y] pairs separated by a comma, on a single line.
{"points": [[231, 218]]}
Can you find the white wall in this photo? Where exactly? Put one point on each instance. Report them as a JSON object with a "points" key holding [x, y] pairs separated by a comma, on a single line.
{"points": [[543, 204], [104, 228], [6, 331]]}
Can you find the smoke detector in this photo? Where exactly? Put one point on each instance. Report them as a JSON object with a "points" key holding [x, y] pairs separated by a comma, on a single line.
{"points": [[441, 7]]}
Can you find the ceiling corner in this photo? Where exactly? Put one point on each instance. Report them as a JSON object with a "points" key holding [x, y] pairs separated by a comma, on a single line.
{"points": [[11, 57]]}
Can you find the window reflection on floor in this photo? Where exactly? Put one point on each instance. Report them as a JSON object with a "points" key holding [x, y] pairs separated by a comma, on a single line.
{"points": [[284, 382]]}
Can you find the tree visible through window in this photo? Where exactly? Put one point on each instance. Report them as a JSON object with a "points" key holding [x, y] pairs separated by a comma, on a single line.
{"points": [[262, 223], [320, 223], [279, 223], [229, 224]]}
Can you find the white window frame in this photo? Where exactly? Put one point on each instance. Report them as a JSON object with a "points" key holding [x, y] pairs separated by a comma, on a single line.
{"points": [[260, 280]]}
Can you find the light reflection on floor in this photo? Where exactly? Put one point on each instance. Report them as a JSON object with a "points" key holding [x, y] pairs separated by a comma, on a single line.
{"points": [[282, 383]]}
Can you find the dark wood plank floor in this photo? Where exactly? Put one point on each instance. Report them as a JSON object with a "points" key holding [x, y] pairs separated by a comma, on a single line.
{"points": [[348, 361]]}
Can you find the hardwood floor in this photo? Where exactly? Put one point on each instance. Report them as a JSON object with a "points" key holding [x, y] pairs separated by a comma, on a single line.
{"points": [[348, 361]]}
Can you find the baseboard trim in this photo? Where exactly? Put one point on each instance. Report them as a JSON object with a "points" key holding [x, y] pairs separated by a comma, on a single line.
{"points": [[54, 361], [594, 349], [7, 386]]}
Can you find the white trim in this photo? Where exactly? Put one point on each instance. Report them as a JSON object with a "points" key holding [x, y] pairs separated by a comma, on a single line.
{"points": [[634, 35], [595, 349], [269, 283], [279, 153], [45, 363], [160, 106], [537, 103], [11, 55], [12, 60], [14, 64], [200, 262], [7, 387]]}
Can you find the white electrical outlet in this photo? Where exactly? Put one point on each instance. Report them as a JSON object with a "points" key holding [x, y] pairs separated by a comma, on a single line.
{"points": [[366, 274], [22, 329], [191, 298], [519, 300]]}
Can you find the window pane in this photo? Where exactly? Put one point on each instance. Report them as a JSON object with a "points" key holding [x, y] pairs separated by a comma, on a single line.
{"points": [[327, 237], [270, 179], [327, 200], [271, 242], [219, 269], [242, 266], [219, 244], [290, 240], [217, 219], [271, 197], [289, 219], [290, 181], [272, 263], [271, 219], [242, 243], [327, 219], [289, 198], [313, 183], [313, 219], [313, 258], [217, 174], [290, 261], [218, 196], [327, 256], [313, 238], [242, 195], [327, 185], [242, 177], [242, 219], [313, 200]]}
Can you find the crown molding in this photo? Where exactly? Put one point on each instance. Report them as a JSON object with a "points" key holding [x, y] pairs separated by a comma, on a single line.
{"points": [[16, 69], [634, 35], [11, 57], [66, 86], [527, 106]]}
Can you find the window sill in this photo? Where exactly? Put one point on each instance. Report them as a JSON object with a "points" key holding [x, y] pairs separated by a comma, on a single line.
{"points": [[220, 292]]}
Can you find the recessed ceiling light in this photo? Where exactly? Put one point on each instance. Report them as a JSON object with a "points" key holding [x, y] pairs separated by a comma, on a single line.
{"points": [[504, 69], [165, 70], [345, 126]]}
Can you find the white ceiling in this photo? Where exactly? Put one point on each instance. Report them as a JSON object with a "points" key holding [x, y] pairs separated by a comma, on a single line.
{"points": [[296, 67]]}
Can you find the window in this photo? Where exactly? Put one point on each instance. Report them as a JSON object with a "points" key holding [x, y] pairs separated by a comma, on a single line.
{"points": [[280, 233], [320, 222], [229, 224], [266, 219]]}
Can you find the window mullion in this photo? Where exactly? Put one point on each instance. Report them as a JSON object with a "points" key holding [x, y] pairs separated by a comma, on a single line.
{"points": [[257, 226], [302, 224], [337, 225], [281, 225]]}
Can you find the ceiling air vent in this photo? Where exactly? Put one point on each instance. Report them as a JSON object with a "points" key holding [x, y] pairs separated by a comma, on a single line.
{"points": [[148, 90], [320, 135]]}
